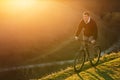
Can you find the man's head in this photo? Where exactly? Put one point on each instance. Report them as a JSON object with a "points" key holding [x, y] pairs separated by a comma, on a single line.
{"points": [[86, 16]]}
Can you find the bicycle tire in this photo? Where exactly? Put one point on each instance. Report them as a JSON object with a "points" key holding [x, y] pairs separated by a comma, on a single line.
{"points": [[79, 61], [94, 61]]}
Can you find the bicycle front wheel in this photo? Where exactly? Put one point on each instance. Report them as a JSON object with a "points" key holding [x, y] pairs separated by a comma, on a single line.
{"points": [[95, 56], [79, 61]]}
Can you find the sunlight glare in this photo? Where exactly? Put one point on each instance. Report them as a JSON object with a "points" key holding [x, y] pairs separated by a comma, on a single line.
{"points": [[21, 3]]}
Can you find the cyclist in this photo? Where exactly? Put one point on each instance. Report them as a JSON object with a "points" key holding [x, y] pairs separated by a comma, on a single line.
{"points": [[88, 27]]}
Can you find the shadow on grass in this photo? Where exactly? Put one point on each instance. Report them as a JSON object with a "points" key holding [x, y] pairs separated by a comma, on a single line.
{"points": [[104, 73], [80, 76], [115, 67]]}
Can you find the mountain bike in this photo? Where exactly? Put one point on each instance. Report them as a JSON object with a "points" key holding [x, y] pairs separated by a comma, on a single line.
{"points": [[89, 52]]}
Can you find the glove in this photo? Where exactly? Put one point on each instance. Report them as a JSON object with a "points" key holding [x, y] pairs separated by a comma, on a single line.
{"points": [[93, 41], [76, 37]]}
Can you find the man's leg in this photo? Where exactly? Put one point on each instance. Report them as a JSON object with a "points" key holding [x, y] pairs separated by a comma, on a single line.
{"points": [[91, 48]]}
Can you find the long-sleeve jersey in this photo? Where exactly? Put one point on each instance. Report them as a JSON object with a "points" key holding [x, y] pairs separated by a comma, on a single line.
{"points": [[90, 29]]}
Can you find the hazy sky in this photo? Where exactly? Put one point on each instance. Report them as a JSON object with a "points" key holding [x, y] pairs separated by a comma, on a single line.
{"points": [[29, 22]]}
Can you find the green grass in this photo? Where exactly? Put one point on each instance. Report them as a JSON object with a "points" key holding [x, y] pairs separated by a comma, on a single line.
{"points": [[107, 69]]}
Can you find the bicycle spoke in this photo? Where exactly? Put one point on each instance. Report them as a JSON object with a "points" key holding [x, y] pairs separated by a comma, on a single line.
{"points": [[96, 55], [79, 61]]}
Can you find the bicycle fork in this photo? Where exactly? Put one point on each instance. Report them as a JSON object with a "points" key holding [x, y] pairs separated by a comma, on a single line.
{"points": [[87, 55]]}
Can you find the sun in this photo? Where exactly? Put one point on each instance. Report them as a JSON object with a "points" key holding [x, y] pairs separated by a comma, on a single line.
{"points": [[24, 3], [21, 3]]}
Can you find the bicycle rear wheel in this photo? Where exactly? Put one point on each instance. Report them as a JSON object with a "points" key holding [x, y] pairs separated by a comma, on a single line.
{"points": [[95, 56], [79, 61]]}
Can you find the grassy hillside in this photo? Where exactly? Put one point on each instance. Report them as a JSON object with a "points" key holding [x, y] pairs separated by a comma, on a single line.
{"points": [[107, 69]]}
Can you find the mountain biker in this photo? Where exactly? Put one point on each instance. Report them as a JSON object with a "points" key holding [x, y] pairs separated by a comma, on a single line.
{"points": [[89, 28]]}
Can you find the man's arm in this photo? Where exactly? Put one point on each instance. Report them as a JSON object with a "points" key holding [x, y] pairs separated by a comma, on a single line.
{"points": [[95, 31], [79, 29]]}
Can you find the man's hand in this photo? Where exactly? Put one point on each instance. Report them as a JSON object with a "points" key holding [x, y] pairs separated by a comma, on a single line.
{"points": [[93, 41], [76, 37]]}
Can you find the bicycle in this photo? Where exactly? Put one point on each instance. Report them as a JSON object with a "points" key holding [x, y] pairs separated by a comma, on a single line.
{"points": [[84, 55]]}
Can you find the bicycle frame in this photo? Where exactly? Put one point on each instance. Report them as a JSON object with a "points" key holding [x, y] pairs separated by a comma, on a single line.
{"points": [[85, 45], [86, 49]]}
